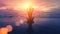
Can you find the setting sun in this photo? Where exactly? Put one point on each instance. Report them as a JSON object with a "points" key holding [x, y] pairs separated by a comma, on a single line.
{"points": [[27, 5], [23, 5]]}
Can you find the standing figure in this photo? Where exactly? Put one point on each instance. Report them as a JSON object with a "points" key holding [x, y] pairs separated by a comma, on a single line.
{"points": [[30, 19]]}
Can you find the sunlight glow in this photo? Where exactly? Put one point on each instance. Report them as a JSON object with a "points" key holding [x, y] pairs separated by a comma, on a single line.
{"points": [[23, 5], [27, 5]]}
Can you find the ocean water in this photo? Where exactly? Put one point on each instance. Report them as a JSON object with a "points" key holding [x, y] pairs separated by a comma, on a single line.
{"points": [[40, 26]]}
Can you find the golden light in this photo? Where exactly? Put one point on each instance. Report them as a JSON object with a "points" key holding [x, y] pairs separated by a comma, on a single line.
{"points": [[27, 5], [24, 6], [30, 5]]}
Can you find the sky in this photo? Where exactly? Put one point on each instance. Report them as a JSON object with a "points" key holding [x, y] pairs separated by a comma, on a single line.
{"points": [[43, 5]]}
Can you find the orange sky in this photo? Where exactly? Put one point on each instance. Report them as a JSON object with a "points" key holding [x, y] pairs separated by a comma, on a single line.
{"points": [[40, 5]]}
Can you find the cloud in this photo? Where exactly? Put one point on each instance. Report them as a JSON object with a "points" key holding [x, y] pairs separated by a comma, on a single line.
{"points": [[49, 3]]}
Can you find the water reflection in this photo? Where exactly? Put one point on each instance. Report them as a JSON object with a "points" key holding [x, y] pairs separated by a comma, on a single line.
{"points": [[47, 26]]}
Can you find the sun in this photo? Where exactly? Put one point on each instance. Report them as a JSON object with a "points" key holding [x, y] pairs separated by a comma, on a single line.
{"points": [[27, 5], [23, 6]]}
